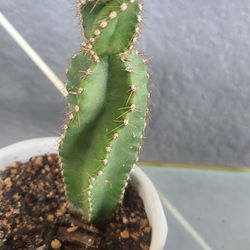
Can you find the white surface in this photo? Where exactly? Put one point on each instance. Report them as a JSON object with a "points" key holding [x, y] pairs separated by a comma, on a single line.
{"points": [[22, 151]]}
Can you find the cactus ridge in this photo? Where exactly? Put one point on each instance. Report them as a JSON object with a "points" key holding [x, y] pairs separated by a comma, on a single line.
{"points": [[107, 96]]}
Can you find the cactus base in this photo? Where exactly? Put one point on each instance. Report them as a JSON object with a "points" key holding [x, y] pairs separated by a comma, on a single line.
{"points": [[22, 151]]}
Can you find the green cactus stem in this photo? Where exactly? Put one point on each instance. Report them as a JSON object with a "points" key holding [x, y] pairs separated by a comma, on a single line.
{"points": [[107, 96]]}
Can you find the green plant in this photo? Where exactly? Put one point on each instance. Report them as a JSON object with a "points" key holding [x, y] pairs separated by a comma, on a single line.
{"points": [[107, 95]]}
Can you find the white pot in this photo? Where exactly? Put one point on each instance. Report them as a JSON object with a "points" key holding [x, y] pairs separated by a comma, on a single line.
{"points": [[23, 150]]}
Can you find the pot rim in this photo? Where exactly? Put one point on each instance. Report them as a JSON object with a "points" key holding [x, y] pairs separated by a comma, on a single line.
{"points": [[23, 150]]}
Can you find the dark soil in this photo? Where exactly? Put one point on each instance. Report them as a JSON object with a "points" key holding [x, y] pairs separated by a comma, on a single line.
{"points": [[34, 213]]}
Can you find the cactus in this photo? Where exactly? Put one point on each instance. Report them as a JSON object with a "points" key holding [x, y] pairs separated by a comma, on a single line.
{"points": [[107, 96]]}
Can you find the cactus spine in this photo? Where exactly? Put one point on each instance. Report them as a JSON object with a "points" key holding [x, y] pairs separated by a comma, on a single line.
{"points": [[107, 95]]}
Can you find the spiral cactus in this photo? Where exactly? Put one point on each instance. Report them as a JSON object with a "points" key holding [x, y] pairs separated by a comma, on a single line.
{"points": [[107, 96]]}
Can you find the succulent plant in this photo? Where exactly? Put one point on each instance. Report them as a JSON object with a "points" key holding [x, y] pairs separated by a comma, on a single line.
{"points": [[107, 96]]}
